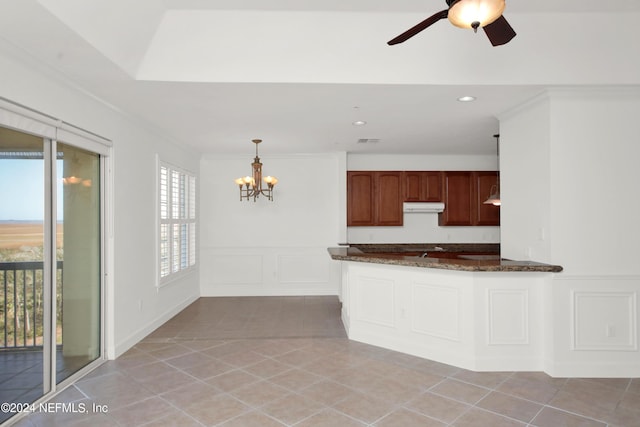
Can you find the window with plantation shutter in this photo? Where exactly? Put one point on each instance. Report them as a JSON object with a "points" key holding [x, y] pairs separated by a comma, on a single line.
{"points": [[177, 222]]}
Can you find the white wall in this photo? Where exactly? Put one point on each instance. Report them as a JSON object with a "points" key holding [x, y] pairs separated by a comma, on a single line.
{"points": [[421, 228], [569, 180], [595, 176], [135, 306], [525, 187], [569, 197], [272, 247]]}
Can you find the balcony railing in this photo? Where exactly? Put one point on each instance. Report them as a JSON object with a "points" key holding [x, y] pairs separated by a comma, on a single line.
{"points": [[22, 304]]}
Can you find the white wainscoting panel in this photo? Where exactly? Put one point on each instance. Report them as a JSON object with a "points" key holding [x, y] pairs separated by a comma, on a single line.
{"points": [[508, 312], [306, 268], [375, 301], [436, 311], [604, 320], [264, 271], [239, 269]]}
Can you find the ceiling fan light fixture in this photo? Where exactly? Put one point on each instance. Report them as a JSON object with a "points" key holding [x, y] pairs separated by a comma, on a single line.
{"points": [[475, 13]]}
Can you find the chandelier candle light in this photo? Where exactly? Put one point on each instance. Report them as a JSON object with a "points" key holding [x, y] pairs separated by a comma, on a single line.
{"points": [[251, 186]]}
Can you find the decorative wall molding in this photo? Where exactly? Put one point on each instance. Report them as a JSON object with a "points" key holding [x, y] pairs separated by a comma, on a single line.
{"points": [[508, 316], [501, 321], [375, 301], [303, 268], [619, 278], [239, 269], [268, 271], [435, 311], [604, 320]]}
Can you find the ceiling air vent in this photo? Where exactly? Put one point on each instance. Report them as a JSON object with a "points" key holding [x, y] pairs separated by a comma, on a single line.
{"points": [[368, 140]]}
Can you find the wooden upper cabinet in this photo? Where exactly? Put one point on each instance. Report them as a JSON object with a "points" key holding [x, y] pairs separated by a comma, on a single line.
{"points": [[486, 214], [422, 186], [374, 198], [389, 198], [464, 194], [458, 200], [360, 198]]}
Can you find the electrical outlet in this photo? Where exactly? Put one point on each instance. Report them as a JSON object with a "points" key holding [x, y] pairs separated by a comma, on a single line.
{"points": [[611, 331]]}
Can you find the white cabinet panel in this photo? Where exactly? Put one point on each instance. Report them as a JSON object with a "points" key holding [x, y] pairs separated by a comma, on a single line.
{"points": [[375, 301], [566, 326], [508, 316], [436, 311]]}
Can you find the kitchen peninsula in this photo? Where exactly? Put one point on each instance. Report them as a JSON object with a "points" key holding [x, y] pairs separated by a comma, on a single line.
{"points": [[457, 304]]}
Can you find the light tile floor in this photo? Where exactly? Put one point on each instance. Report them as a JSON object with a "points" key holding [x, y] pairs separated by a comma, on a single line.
{"points": [[21, 374], [285, 361]]}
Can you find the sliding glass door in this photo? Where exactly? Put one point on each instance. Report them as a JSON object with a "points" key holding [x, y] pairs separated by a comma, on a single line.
{"points": [[22, 274], [50, 264], [78, 248]]}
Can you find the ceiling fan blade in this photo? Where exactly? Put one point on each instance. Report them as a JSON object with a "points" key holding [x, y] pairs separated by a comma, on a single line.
{"points": [[421, 26], [499, 31]]}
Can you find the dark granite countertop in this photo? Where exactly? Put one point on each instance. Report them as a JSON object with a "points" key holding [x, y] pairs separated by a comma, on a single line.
{"points": [[461, 257], [427, 247]]}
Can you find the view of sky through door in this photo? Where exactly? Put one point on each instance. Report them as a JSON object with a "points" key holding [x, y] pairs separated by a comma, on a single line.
{"points": [[22, 267]]}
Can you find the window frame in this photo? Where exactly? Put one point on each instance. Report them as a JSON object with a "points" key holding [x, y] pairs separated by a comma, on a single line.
{"points": [[177, 222]]}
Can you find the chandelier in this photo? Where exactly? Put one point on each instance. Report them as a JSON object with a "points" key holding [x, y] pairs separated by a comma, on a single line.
{"points": [[251, 186]]}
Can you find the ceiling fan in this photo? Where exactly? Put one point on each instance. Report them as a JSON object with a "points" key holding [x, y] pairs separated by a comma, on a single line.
{"points": [[469, 14]]}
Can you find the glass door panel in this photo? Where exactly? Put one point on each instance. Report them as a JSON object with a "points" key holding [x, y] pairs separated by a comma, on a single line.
{"points": [[22, 257], [79, 250]]}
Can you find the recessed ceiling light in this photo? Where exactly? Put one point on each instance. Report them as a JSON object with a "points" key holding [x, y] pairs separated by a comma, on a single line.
{"points": [[359, 123], [467, 98]]}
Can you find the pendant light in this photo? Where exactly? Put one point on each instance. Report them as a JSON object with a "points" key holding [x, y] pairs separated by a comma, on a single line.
{"points": [[494, 196]]}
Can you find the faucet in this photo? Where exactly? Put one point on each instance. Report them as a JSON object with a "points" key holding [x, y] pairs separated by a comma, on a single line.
{"points": [[435, 248]]}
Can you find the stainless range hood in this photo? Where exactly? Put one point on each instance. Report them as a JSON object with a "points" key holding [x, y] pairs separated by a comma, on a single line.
{"points": [[422, 207]]}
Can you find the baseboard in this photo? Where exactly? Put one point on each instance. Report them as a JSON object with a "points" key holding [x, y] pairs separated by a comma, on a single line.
{"points": [[345, 319], [405, 345], [592, 370], [133, 339], [266, 291]]}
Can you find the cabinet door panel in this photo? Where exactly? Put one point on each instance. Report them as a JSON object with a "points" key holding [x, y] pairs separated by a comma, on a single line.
{"points": [[486, 214], [360, 198], [458, 199], [412, 187], [422, 186], [389, 194], [432, 187]]}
